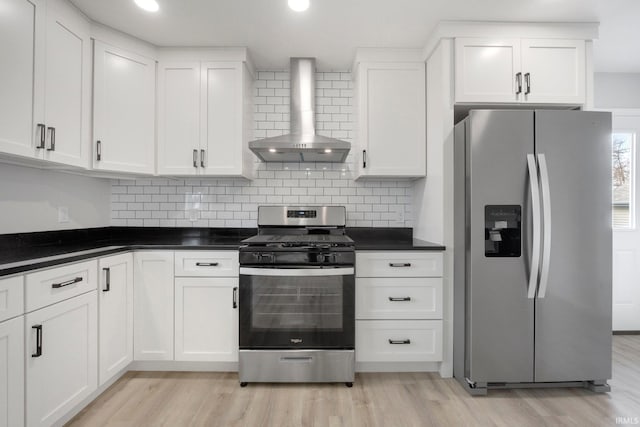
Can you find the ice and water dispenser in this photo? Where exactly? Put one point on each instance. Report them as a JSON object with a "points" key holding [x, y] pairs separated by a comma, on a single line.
{"points": [[502, 231]]}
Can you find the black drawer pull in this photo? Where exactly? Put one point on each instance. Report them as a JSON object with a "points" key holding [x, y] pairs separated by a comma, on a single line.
{"points": [[206, 264], [67, 283], [399, 341], [399, 264], [38, 352], [107, 279], [235, 297], [399, 298]]}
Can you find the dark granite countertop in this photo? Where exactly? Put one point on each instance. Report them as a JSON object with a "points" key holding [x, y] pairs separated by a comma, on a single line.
{"points": [[29, 251]]}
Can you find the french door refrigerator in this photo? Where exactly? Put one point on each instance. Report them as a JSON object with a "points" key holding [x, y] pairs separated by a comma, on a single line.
{"points": [[532, 249]]}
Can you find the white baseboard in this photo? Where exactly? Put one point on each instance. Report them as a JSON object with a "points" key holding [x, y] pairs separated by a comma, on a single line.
{"points": [[397, 366], [174, 365]]}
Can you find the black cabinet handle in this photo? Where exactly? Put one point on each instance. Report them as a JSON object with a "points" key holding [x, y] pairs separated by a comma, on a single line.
{"points": [[98, 150], [195, 158], [527, 81], [107, 274], [38, 329], [67, 283], [52, 146], [202, 158], [42, 128], [519, 83], [235, 297], [399, 264], [364, 159], [206, 264], [399, 298], [399, 341]]}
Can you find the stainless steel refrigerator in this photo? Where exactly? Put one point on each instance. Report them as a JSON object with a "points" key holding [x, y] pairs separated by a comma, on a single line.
{"points": [[532, 249]]}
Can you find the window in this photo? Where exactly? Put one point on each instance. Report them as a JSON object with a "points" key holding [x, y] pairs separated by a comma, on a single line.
{"points": [[623, 147]]}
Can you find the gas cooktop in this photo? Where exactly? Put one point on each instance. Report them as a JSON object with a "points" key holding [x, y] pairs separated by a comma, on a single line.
{"points": [[298, 239]]}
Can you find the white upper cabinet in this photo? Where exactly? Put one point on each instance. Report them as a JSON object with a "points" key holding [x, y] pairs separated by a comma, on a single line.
{"points": [[178, 118], [492, 70], [391, 119], [556, 70], [21, 59], [45, 81], [486, 70], [67, 86], [204, 118], [221, 127], [123, 110]]}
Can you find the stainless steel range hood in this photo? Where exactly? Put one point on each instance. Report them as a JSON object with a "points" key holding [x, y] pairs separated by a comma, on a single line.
{"points": [[302, 144]]}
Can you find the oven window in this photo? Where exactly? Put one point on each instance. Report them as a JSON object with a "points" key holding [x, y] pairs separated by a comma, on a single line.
{"points": [[308, 303]]}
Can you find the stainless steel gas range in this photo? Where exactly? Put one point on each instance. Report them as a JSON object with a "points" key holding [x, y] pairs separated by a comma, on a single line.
{"points": [[297, 297]]}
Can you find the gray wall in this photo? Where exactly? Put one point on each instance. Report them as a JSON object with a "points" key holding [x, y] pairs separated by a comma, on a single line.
{"points": [[617, 90]]}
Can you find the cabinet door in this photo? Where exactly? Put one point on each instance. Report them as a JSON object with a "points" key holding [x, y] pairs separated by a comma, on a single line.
{"points": [[179, 118], [153, 306], [21, 50], [554, 71], [207, 319], [65, 370], [485, 70], [67, 85], [222, 118], [12, 372], [115, 297], [392, 119], [123, 110]]}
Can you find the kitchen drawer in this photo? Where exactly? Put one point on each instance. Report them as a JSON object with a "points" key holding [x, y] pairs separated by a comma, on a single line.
{"points": [[50, 286], [399, 298], [416, 340], [11, 297], [206, 263], [398, 264]]}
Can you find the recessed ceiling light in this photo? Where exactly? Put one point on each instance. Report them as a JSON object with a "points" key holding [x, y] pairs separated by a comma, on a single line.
{"points": [[327, 150], [148, 5], [299, 5], [272, 150]]}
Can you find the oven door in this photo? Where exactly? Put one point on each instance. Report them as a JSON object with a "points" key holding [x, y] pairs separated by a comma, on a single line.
{"points": [[297, 307]]}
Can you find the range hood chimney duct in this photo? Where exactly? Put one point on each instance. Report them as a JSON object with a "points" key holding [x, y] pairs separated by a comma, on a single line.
{"points": [[302, 144]]}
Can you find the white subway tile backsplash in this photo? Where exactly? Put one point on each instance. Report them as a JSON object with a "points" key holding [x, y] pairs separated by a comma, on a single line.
{"points": [[230, 202]]}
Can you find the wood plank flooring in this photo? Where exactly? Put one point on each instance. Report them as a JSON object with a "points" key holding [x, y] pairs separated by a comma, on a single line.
{"points": [[376, 399]]}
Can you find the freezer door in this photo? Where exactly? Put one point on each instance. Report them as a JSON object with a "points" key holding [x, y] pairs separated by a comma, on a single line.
{"points": [[499, 315], [573, 309]]}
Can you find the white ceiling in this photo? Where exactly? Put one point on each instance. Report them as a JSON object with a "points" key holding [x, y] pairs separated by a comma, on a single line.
{"points": [[331, 29]]}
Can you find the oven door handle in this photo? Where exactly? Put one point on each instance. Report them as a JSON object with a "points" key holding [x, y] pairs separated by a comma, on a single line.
{"points": [[288, 272]]}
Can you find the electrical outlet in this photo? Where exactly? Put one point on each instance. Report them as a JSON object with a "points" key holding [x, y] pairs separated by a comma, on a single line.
{"points": [[63, 214]]}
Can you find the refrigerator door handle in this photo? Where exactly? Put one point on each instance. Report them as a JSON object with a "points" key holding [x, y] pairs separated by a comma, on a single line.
{"points": [[546, 206], [535, 207]]}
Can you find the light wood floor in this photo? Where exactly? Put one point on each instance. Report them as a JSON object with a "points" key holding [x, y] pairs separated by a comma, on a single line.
{"points": [[397, 399]]}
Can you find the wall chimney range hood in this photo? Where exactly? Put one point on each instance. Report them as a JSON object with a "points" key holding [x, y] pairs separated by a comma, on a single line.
{"points": [[302, 144]]}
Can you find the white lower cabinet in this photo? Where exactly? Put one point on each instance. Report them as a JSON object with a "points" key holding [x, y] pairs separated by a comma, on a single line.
{"points": [[61, 358], [206, 319], [12, 372], [398, 307], [153, 305], [399, 340], [115, 298]]}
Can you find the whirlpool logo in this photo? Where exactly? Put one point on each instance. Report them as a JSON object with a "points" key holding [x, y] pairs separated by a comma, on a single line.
{"points": [[296, 340]]}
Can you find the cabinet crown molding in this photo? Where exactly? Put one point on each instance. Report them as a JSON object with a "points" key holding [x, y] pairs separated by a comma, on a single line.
{"points": [[538, 30]]}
